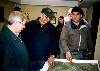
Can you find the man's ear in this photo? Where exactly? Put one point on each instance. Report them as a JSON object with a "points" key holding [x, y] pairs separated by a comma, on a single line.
{"points": [[15, 22], [81, 16], [41, 14]]}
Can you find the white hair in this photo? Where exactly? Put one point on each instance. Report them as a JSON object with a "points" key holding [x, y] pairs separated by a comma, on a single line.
{"points": [[16, 16]]}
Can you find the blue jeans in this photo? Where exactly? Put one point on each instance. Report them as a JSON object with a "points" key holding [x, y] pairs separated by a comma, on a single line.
{"points": [[36, 65], [77, 55]]}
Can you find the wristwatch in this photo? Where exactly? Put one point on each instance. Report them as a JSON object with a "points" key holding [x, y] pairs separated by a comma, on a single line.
{"points": [[53, 56]]}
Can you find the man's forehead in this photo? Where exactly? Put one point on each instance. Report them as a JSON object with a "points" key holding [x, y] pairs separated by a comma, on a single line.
{"points": [[44, 14], [75, 12]]}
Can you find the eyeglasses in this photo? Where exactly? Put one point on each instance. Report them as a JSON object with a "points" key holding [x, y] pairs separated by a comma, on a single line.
{"points": [[21, 23]]}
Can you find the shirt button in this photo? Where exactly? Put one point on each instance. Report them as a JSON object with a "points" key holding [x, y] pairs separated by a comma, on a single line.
{"points": [[22, 69]]}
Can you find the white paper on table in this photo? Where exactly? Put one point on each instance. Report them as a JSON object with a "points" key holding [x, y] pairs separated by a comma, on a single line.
{"points": [[45, 67], [78, 61]]}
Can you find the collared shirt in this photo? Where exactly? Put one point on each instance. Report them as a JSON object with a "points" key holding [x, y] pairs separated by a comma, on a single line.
{"points": [[74, 26]]}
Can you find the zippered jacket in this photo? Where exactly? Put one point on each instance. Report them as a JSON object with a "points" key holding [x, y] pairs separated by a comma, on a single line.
{"points": [[76, 38]]}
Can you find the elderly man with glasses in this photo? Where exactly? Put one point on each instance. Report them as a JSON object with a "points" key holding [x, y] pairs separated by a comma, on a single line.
{"points": [[13, 53]]}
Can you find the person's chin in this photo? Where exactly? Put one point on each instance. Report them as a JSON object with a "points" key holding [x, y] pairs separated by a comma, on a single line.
{"points": [[44, 23], [20, 31]]}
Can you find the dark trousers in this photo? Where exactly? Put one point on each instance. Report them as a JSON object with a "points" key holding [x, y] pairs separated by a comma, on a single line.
{"points": [[36, 65], [77, 55]]}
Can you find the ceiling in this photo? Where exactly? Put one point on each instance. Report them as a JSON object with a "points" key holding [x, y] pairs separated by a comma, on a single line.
{"points": [[80, 3], [85, 3], [70, 3], [88, 3]]}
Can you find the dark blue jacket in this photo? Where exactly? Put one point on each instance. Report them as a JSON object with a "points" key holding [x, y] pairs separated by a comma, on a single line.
{"points": [[40, 41], [13, 53]]}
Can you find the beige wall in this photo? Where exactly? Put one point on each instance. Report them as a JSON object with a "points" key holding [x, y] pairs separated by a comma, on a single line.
{"points": [[97, 47], [8, 7], [34, 11], [89, 14]]}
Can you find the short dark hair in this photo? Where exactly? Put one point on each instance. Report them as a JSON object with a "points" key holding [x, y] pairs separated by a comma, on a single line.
{"points": [[77, 9], [17, 9]]}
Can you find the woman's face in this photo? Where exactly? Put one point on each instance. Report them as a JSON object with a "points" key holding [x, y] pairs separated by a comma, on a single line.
{"points": [[61, 20]]}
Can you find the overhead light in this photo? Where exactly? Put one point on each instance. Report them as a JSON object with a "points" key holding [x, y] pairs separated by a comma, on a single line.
{"points": [[80, 1]]}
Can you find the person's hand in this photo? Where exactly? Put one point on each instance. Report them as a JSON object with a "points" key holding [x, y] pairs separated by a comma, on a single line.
{"points": [[51, 60], [89, 53], [69, 56]]}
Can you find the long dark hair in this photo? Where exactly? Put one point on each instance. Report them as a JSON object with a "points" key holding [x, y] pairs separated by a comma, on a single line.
{"points": [[61, 17]]}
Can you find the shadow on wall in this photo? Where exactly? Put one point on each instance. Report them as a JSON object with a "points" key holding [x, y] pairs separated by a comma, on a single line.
{"points": [[2, 23]]}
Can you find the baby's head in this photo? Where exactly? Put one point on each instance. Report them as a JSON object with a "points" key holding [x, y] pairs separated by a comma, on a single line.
{"points": [[69, 11], [68, 17]]}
